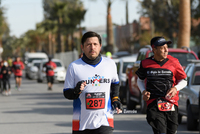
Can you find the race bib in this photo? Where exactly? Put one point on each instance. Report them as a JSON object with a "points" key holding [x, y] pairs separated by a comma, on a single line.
{"points": [[95, 100], [164, 105]]}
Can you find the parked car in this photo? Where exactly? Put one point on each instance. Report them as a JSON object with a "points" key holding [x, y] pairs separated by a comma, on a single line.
{"points": [[59, 72], [116, 60], [29, 57], [134, 96], [33, 69], [122, 64], [189, 96], [120, 54]]}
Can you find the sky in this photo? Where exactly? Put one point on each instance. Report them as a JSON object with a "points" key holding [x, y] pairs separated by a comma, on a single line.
{"points": [[22, 15]]}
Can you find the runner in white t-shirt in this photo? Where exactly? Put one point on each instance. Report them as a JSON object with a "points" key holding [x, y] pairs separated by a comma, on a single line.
{"points": [[92, 82]]}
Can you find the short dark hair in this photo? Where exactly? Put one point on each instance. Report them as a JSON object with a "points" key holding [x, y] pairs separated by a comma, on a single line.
{"points": [[50, 58], [89, 35]]}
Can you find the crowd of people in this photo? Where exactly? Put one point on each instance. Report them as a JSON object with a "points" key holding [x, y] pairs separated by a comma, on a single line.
{"points": [[8, 67]]}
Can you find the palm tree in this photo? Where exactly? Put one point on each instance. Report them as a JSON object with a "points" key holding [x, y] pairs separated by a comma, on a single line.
{"points": [[4, 29], [110, 36], [184, 23], [76, 15], [46, 30], [68, 15]]}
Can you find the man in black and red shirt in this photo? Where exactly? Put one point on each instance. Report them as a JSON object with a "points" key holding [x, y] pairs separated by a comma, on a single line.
{"points": [[160, 78], [17, 68], [50, 66]]}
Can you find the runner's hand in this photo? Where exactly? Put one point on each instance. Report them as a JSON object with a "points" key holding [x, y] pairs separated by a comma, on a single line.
{"points": [[79, 87], [171, 93], [117, 105], [146, 95]]}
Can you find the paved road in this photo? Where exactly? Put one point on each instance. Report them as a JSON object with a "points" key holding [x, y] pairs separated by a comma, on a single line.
{"points": [[34, 110]]}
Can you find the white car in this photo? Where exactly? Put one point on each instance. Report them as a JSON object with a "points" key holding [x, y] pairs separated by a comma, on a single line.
{"points": [[29, 57], [59, 72], [189, 96], [33, 69], [121, 70], [116, 60]]}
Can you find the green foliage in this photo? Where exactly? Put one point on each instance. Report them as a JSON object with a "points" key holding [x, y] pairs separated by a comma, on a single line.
{"points": [[4, 32], [4, 28], [163, 14], [145, 37], [195, 13], [66, 15], [61, 17]]}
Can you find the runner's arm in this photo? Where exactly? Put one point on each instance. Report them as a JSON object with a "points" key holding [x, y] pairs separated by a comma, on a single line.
{"points": [[69, 94], [114, 90], [73, 93], [181, 84], [116, 103], [145, 93], [141, 84]]}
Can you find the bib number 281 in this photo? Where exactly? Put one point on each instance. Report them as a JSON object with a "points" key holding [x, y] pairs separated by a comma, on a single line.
{"points": [[95, 100]]}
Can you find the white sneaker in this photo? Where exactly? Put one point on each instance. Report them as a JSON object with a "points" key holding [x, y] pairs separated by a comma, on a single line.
{"points": [[9, 93], [5, 93], [19, 89]]}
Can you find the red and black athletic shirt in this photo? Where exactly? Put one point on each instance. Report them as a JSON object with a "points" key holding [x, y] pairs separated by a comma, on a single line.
{"points": [[49, 68], [17, 68], [161, 76]]}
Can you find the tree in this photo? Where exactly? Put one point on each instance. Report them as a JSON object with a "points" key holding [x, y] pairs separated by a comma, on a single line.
{"points": [[184, 23], [76, 15], [110, 36], [126, 11], [195, 15], [163, 14], [47, 30], [67, 13], [109, 26], [4, 28]]}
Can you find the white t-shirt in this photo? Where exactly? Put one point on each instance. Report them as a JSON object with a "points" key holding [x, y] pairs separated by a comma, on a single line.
{"points": [[93, 107]]}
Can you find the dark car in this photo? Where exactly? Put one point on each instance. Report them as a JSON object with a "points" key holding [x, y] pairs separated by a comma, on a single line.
{"points": [[133, 95], [189, 96]]}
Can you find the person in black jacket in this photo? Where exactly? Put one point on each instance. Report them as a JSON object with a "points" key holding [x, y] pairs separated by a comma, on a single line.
{"points": [[6, 71], [1, 76]]}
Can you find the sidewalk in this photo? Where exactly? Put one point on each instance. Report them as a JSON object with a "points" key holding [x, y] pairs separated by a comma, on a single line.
{"points": [[34, 110]]}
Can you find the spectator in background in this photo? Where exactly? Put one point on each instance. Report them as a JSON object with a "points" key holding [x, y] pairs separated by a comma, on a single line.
{"points": [[10, 61], [1, 76], [50, 66], [109, 54], [6, 71], [17, 68]]}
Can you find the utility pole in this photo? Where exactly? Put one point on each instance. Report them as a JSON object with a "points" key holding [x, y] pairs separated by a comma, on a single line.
{"points": [[127, 22]]}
